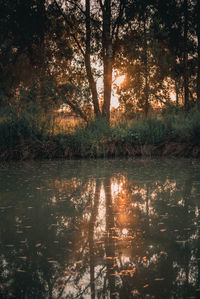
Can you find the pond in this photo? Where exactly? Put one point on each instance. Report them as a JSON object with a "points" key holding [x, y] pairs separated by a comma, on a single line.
{"points": [[100, 229]]}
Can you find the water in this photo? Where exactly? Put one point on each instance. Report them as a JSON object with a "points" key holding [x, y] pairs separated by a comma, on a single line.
{"points": [[100, 229]]}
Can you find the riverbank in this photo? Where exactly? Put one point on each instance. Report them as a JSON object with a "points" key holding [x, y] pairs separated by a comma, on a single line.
{"points": [[174, 135]]}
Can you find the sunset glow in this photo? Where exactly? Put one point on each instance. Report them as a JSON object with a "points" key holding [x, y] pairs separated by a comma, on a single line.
{"points": [[114, 102], [173, 96], [119, 80]]}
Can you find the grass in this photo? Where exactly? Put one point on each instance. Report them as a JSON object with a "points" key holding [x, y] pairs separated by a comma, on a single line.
{"points": [[35, 135]]}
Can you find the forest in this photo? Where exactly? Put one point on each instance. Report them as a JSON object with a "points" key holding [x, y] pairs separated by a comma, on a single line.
{"points": [[99, 78]]}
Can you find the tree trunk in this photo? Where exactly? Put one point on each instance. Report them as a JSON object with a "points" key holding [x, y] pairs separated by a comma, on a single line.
{"points": [[90, 77], [107, 57], [198, 51], [41, 15], [185, 57], [177, 94], [146, 91]]}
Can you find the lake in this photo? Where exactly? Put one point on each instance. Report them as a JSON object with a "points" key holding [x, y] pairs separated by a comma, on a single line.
{"points": [[100, 229]]}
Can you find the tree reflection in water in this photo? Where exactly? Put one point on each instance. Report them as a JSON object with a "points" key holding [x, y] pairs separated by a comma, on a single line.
{"points": [[107, 229]]}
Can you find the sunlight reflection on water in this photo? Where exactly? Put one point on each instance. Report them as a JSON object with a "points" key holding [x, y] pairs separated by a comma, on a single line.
{"points": [[112, 228]]}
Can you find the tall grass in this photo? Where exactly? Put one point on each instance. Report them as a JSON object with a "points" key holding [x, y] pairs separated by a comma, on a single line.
{"points": [[33, 134]]}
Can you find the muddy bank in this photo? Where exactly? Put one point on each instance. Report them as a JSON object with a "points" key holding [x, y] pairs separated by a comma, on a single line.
{"points": [[105, 148]]}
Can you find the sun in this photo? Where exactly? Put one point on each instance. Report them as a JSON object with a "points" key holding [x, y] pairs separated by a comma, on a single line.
{"points": [[173, 96], [119, 80]]}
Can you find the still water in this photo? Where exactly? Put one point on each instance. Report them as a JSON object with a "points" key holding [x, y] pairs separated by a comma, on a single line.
{"points": [[100, 229]]}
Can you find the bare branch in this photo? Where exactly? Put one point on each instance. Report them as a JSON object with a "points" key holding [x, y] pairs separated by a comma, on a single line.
{"points": [[76, 5], [101, 4], [68, 101], [70, 25], [115, 30]]}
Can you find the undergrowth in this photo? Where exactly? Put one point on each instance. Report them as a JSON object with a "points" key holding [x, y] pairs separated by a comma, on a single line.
{"points": [[31, 135]]}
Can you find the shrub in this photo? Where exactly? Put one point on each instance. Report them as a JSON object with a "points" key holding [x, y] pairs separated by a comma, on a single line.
{"points": [[150, 131]]}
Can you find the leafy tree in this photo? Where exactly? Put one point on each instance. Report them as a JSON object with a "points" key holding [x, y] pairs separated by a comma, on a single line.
{"points": [[33, 52], [60, 48], [197, 28], [141, 58], [159, 53], [94, 32]]}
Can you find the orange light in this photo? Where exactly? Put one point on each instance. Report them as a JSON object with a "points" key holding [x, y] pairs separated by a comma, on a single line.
{"points": [[173, 96], [119, 80]]}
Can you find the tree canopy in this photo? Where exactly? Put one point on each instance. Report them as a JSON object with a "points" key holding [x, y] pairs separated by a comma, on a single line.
{"points": [[60, 49]]}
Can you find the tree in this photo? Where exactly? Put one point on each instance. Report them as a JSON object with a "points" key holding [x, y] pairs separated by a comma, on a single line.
{"points": [[33, 53], [140, 58], [21, 38], [185, 54], [94, 33], [197, 18]]}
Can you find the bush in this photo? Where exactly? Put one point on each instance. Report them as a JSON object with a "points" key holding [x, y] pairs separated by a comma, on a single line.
{"points": [[85, 141], [31, 134], [150, 131]]}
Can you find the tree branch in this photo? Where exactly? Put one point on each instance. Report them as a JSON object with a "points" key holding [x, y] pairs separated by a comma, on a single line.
{"points": [[119, 17], [70, 25], [72, 105], [101, 4], [76, 5]]}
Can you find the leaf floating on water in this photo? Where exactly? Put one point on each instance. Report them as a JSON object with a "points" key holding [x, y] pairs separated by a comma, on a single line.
{"points": [[159, 279], [181, 242], [115, 237], [38, 245], [135, 292], [146, 286], [52, 262], [144, 258], [21, 271], [163, 230]]}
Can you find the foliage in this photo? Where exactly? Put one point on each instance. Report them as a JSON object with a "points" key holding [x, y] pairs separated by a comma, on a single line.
{"points": [[53, 52], [150, 131], [29, 136], [64, 52]]}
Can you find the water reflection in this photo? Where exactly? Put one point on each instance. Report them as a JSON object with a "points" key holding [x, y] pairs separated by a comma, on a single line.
{"points": [[100, 229]]}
